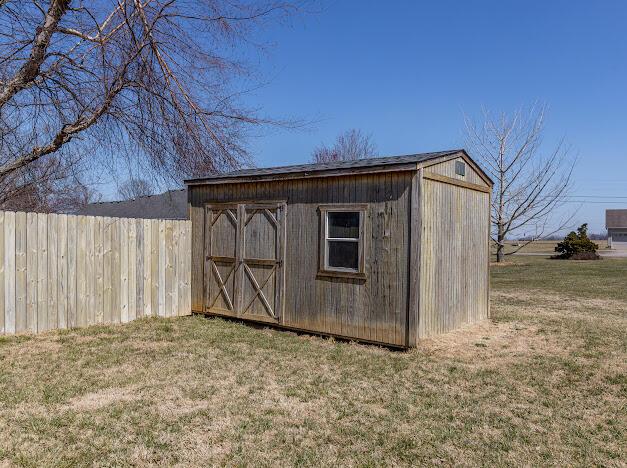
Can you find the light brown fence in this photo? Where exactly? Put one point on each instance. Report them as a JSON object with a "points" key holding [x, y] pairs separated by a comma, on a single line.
{"points": [[63, 271]]}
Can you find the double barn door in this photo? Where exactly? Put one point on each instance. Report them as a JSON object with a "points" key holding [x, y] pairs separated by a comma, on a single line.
{"points": [[244, 256]]}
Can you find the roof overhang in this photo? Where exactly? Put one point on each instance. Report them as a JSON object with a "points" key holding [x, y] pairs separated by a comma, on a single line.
{"points": [[311, 171]]}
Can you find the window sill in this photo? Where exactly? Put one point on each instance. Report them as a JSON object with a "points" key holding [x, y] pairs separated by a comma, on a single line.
{"points": [[341, 274]]}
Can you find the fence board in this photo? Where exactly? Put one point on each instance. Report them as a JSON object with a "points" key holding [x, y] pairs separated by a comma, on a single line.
{"points": [[31, 271], [169, 267], [20, 272], [9, 273], [124, 270], [71, 271], [147, 267], [90, 271], [99, 268], [81, 273], [132, 269], [162, 268], [65, 271], [62, 278], [107, 273], [2, 278], [52, 271], [42, 272]]}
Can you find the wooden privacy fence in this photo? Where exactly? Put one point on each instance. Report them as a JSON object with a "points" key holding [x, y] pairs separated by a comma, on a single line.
{"points": [[64, 271]]}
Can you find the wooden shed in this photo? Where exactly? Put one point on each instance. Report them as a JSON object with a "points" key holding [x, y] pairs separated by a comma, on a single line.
{"points": [[384, 250]]}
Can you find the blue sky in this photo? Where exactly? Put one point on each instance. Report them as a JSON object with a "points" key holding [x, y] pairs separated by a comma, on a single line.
{"points": [[407, 71]]}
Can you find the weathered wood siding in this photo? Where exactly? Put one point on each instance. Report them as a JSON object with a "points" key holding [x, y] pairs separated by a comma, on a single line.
{"points": [[63, 271], [447, 168], [454, 257], [374, 308]]}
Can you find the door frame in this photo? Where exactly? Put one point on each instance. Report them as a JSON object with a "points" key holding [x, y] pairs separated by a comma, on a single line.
{"points": [[240, 206]]}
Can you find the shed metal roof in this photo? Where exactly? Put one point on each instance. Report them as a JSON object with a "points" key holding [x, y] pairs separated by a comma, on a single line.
{"points": [[307, 169], [616, 218]]}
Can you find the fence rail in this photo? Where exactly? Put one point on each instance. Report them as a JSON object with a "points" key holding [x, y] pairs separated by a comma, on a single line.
{"points": [[62, 271]]}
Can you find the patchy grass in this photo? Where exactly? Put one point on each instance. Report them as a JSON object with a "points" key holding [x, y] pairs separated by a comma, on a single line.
{"points": [[543, 383]]}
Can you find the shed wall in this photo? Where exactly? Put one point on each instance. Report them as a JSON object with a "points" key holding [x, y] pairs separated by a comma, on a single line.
{"points": [[454, 277], [374, 309], [447, 168]]}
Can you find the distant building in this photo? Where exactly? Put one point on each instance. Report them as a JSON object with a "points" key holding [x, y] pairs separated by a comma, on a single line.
{"points": [[616, 224], [167, 205]]}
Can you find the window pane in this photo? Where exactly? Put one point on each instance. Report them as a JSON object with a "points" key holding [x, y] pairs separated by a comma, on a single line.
{"points": [[343, 224], [343, 254]]}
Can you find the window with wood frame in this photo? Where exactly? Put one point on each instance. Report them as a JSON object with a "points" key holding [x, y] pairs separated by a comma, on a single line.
{"points": [[342, 240]]}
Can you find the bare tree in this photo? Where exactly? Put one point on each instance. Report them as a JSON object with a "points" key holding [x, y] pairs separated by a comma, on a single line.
{"points": [[530, 183], [150, 80], [46, 185], [135, 188], [350, 145]]}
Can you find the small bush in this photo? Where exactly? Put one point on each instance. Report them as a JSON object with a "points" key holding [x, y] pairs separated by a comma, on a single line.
{"points": [[577, 246]]}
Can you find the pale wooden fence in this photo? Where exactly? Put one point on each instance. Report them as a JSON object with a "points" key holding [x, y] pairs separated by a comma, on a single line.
{"points": [[63, 271]]}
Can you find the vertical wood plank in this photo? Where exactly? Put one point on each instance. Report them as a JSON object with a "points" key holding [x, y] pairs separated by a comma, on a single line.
{"points": [[132, 269], [20, 272], [106, 271], [2, 275], [169, 267], [52, 271], [154, 266], [147, 267], [99, 268], [188, 259], [415, 246], [62, 275], [162, 264], [124, 237], [90, 270], [181, 308], [81, 273], [116, 274], [42, 273], [139, 279], [72, 254], [9, 273], [31, 272]]}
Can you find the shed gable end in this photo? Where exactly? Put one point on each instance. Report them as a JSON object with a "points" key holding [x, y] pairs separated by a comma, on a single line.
{"points": [[459, 168]]}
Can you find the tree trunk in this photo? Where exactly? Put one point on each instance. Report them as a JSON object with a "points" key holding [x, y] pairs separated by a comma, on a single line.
{"points": [[500, 244]]}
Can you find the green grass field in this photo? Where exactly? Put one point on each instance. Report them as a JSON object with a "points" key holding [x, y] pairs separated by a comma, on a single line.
{"points": [[542, 383]]}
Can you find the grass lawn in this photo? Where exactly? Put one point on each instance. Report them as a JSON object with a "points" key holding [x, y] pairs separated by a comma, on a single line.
{"points": [[543, 383]]}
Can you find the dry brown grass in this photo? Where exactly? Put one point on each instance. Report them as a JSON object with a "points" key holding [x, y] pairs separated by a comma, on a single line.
{"points": [[542, 383]]}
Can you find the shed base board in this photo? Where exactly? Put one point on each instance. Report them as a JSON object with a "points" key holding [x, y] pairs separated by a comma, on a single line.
{"points": [[280, 326]]}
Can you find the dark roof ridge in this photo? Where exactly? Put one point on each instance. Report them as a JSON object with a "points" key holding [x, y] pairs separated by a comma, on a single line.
{"points": [[319, 167]]}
